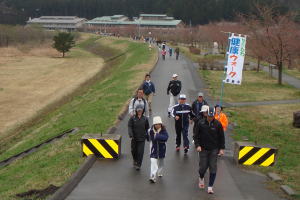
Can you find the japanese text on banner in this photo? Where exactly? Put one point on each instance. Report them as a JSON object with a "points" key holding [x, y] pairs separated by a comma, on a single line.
{"points": [[235, 62]]}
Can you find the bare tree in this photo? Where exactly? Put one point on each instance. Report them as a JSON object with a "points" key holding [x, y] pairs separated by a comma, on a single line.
{"points": [[277, 35]]}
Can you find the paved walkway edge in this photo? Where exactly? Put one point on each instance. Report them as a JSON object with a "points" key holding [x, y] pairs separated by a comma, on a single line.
{"points": [[68, 187], [260, 103]]}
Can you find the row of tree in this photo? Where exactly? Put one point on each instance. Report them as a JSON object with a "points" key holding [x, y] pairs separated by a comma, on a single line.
{"points": [[191, 12], [271, 36], [14, 35]]}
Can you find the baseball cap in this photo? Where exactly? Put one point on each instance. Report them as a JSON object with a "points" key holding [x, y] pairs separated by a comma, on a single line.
{"points": [[211, 111], [139, 107], [182, 96], [174, 75], [200, 94], [204, 108]]}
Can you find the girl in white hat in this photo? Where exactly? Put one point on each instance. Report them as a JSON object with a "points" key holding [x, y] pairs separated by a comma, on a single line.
{"points": [[158, 137]]}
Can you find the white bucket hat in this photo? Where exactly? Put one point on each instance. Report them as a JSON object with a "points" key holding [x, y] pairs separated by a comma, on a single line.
{"points": [[157, 120]]}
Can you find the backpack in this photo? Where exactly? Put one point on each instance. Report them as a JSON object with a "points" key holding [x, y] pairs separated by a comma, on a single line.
{"points": [[134, 100]]}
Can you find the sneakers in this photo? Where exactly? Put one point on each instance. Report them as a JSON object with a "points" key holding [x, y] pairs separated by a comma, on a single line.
{"points": [[152, 179], [177, 149], [134, 163], [160, 175], [186, 150], [210, 190], [137, 168], [201, 183]]}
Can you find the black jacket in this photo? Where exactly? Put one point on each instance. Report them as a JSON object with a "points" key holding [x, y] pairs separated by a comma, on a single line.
{"points": [[175, 87], [138, 127], [194, 108], [209, 135]]}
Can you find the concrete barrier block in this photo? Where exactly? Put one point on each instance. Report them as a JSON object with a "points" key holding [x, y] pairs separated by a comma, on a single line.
{"points": [[102, 146], [247, 153]]}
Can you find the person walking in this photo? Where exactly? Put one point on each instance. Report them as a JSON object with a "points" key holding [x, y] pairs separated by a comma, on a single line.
{"points": [[221, 117], [209, 142], [163, 53], [163, 45], [173, 90], [197, 107], [177, 53], [138, 100], [158, 137], [170, 51], [149, 90], [138, 126], [183, 114]]}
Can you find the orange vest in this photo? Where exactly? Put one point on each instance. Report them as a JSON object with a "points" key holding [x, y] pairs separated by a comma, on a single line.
{"points": [[223, 119]]}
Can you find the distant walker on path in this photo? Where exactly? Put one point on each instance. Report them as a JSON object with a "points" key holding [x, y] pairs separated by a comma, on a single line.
{"points": [[149, 90], [177, 53], [173, 90]]}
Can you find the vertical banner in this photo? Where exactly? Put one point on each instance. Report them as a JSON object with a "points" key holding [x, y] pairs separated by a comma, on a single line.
{"points": [[235, 62]]}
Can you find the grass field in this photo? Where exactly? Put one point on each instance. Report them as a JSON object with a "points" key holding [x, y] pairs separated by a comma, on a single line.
{"points": [[272, 125], [93, 111], [31, 81], [293, 72], [255, 87]]}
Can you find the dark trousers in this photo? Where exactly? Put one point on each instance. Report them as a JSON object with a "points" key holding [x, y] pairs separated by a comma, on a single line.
{"points": [[208, 159], [164, 57], [137, 151], [182, 129], [177, 55]]}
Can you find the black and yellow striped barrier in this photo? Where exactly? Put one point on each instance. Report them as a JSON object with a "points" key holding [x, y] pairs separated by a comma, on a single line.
{"points": [[249, 154], [106, 146]]}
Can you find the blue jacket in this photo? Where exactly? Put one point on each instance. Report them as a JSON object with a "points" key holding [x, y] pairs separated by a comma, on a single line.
{"points": [[158, 143], [148, 87], [184, 111]]}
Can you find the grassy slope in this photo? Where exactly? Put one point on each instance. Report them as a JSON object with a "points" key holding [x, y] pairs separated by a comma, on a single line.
{"points": [[90, 112], [272, 125], [255, 87], [38, 81]]}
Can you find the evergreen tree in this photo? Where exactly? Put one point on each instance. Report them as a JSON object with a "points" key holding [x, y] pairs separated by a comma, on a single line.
{"points": [[63, 42]]}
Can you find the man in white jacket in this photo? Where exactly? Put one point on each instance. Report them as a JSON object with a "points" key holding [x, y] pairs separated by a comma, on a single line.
{"points": [[138, 100]]}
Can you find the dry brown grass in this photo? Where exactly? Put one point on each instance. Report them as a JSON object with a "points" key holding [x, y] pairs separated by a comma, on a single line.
{"points": [[29, 81]]}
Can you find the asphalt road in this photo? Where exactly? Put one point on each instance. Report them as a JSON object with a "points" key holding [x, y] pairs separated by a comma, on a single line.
{"points": [[117, 179]]}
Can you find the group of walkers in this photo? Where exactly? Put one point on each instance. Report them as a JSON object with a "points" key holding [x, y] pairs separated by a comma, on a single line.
{"points": [[164, 52], [208, 130]]}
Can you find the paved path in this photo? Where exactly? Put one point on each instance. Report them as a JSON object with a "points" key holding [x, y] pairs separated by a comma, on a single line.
{"points": [[258, 103], [285, 77], [114, 180]]}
